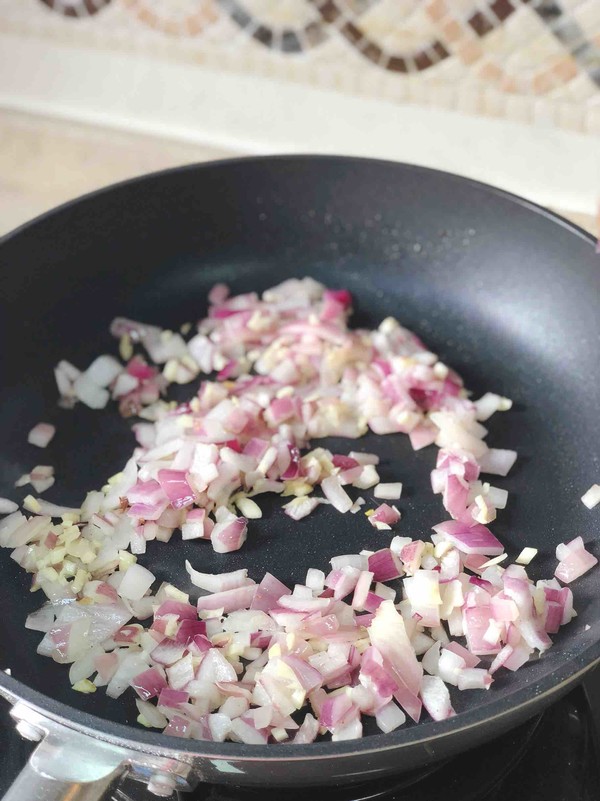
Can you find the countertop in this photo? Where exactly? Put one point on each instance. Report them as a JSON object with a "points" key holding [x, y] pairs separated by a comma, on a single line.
{"points": [[46, 161]]}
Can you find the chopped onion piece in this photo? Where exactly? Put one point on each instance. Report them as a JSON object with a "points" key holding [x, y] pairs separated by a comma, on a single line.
{"points": [[41, 435], [104, 370], [249, 508], [526, 555], [390, 492], [135, 583], [575, 562], [89, 393], [592, 497], [470, 539], [490, 403], [498, 462], [218, 582], [229, 534], [474, 679], [495, 561], [335, 493], [436, 698], [7, 507]]}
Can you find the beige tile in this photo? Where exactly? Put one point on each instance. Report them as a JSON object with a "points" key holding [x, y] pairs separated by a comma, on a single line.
{"points": [[403, 35], [592, 121], [571, 117], [469, 51], [437, 9], [581, 88], [587, 15], [518, 108], [494, 103], [544, 112], [469, 101]]}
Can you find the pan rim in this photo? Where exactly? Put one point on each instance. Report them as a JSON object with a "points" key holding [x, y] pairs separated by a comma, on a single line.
{"points": [[300, 157], [128, 736], [426, 733]]}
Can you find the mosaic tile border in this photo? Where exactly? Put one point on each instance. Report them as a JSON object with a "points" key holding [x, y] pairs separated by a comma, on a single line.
{"points": [[333, 13], [495, 58]]}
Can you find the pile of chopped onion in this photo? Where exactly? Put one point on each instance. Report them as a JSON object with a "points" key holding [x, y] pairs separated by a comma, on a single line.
{"points": [[382, 634]]}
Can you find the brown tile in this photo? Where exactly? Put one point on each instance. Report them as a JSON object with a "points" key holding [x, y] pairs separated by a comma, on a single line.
{"points": [[291, 42], [502, 9], [264, 35], [329, 11], [396, 64], [440, 51], [480, 24], [422, 61], [371, 52], [314, 33], [352, 33]]}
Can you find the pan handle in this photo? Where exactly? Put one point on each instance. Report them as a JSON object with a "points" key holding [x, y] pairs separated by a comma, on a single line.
{"points": [[62, 770], [33, 785], [70, 765]]}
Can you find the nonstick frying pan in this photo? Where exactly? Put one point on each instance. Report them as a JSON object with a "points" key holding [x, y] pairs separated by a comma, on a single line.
{"points": [[506, 292]]}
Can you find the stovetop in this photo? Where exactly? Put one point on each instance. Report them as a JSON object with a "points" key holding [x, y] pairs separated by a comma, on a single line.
{"points": [[553, 757]]}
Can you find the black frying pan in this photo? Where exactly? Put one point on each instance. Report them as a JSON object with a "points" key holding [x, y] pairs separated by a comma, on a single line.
{"points": [[505, 292]]}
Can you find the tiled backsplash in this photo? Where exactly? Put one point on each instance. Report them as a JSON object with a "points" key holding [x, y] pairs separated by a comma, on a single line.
{"points": [[530, 62]]}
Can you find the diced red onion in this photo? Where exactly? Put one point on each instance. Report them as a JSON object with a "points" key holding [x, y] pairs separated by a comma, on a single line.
{"points": [[384, 515], [149, 684], [217, 582], [361, 590], [172, 698], [308, 731], [299, 508], [575, 562], [390, 717], [42, 619], [7, 507], [228, 600], [474, 679], [229, 535], [390, 492], [470, 539], [41, 435], [335, 493], [497, 462], [136, 583], [175, 486], [179, 609], [288, 370], [591, 498]]}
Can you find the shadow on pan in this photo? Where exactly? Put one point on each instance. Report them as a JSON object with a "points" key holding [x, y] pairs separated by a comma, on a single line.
{"points": [[502, 290]]}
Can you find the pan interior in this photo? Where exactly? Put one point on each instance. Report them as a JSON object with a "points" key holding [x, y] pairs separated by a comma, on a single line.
{"points": [[503, 293]]}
